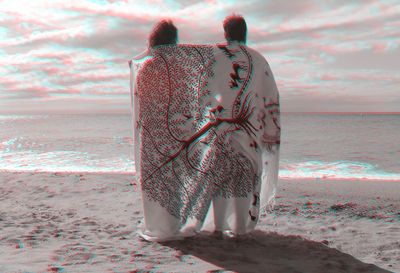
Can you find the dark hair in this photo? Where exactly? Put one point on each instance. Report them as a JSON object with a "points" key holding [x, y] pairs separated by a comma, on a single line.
{"points": [[235, 28], [163, 33]]}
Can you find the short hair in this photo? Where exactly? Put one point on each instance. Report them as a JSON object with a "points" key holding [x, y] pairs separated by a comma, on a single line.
{"points": [[235, 28], [163, 33]]}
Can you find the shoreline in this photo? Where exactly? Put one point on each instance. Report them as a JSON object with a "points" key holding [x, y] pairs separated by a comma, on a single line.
{"points": [[87, 222], [281, 178], [332, 179]]}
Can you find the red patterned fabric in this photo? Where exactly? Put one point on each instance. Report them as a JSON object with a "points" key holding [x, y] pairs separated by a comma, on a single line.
{"points": [[206, 124]]}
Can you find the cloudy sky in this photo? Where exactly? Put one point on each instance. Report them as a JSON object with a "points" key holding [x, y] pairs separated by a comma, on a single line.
{"points": [[71, 56]]}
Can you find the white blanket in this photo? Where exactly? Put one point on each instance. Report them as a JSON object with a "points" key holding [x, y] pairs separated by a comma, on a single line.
{"points": [[206, 131]]}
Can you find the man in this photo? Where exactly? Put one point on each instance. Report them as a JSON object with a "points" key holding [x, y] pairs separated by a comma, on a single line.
{"points": [[235, 29], [246, 154]]}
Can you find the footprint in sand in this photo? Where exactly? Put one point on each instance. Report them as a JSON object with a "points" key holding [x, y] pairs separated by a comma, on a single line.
{"points": [[72, 254]]}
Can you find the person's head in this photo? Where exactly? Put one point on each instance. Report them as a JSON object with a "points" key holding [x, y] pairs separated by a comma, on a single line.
{"points": [[235, 28], [163, 33]]}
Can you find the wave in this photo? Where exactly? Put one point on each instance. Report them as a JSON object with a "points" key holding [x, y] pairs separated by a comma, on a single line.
{"points": [[6, 118], [15, 156], [63, 161], [335, 170]]}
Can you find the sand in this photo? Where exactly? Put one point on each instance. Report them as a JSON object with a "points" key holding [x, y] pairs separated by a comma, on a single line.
{"points": [[71, 222]]}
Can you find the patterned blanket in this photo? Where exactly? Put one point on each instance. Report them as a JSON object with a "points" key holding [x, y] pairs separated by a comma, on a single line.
{"points": [[207, 131]]}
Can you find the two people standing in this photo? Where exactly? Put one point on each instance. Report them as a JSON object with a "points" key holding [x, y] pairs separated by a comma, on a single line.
{"points": [[206, 132]]}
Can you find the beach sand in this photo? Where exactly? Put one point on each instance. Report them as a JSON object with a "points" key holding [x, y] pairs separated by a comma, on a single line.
{"points": [[71, 222]]}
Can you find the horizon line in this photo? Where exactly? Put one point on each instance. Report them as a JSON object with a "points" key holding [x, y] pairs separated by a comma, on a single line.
{"points": [[282, 112], [344, 112]]}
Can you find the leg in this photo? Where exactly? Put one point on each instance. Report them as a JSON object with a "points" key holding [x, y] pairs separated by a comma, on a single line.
{"points": [[220, 213], [159, 225]]}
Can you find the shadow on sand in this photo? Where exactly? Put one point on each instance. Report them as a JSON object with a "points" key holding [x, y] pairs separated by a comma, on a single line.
{"points": [[270, 252]]}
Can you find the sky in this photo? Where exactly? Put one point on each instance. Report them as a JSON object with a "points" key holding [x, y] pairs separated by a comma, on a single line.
{"points": [[72, 56]]}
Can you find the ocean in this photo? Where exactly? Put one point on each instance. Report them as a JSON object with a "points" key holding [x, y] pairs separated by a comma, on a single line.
{"points": [[318, 146]]}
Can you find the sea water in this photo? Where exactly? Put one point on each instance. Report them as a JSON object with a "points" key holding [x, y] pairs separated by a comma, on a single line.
{"points": [[317, 146]]}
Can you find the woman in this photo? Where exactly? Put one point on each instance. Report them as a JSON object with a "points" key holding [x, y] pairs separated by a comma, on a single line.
{"points": [[164, 81]]}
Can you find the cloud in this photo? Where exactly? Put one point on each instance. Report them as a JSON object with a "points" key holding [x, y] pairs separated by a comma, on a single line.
{"points": [[60, 52]]}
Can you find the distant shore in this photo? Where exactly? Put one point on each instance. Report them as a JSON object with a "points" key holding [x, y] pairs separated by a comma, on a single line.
{"points": [[85, 222]]}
